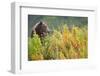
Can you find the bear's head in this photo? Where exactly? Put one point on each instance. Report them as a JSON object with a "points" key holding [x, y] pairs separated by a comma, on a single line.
{"points": [[41, 28]]}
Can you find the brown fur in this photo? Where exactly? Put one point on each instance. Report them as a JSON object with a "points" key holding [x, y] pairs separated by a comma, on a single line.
{"points": [[40, 28]]}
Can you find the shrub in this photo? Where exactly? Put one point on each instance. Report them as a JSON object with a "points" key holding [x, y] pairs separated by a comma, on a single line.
{"points": [[34, 47], [61, 44]]}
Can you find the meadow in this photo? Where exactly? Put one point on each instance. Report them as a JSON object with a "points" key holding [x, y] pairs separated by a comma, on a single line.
{"points": [[63, 43]]}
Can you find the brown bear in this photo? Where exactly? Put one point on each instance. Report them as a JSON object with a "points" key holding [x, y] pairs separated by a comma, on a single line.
{"points": [[41, 29]]}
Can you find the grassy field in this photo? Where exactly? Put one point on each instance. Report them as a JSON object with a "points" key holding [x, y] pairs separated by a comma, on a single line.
{"points": [[63, 43]]}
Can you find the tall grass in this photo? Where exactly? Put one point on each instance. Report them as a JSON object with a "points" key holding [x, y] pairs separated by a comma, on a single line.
{"points": [[64, 43]]}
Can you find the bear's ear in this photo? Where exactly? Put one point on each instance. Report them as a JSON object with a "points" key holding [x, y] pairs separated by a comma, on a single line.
{"points": [[40, 23]]}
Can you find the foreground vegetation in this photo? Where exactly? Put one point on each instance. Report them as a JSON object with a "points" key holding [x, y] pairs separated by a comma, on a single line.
{"points": [[63, 43]]}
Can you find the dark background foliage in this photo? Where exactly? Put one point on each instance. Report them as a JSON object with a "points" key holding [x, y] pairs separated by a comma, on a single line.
{"points": [[55, 21]]}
